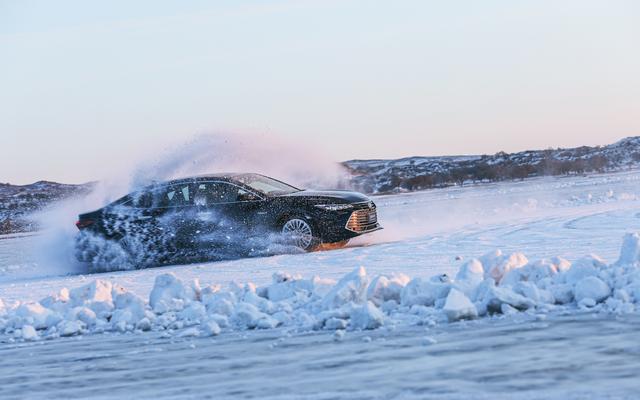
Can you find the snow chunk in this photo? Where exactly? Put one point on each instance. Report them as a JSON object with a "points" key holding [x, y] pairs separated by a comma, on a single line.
{"points": [[129, 310], [426, 293], [591, 287], [458, 306], [535, 271], [561, 264], [334, 323], [84, 314], [469, 276], [630, 251], [36, 315], [492, 297], [471, 271], [218, 302], [496, 265], [286, 286], [562, 293], [531, 291], [97, 290], [170, 294], [248, 316], [384, 288], [29, 333], [351, 288], [366, 316], [211, 328], [190, 332], [58, 302], [587, 266], [587, 302], [428, 341], [489, 260], [95, 295], [144, 324], [193, 314], [264, 305], [506, 309], [70, 328]]}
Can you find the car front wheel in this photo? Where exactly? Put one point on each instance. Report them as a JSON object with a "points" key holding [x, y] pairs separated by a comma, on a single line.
{"points": [[299, 233]]}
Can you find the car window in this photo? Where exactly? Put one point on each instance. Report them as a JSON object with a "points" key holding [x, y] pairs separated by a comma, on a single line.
{"points": [[175, 196], [142, 200], [265, 184], [135, 200], [209, 193]]}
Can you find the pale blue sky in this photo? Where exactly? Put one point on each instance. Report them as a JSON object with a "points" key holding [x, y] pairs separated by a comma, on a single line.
{"points": [[84, 84]]}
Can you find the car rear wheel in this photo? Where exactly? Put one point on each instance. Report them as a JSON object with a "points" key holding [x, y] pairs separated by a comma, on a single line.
{"points": [[299, 233]]}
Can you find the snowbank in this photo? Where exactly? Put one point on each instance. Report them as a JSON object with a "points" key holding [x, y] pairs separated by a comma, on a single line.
{"points": [[493, 284]]}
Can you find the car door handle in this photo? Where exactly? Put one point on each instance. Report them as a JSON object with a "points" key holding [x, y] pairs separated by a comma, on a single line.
{"points": [[144, 217]]}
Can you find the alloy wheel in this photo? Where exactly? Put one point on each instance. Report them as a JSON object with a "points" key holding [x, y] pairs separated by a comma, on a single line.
{"points": [[299, 232]]}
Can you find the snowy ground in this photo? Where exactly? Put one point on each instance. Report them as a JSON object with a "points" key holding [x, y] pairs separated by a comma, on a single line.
{"points": [[572, 357], [426, 234]]}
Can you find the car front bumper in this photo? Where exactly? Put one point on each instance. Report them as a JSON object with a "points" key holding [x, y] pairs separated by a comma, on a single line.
{"points": [[349, 224]]}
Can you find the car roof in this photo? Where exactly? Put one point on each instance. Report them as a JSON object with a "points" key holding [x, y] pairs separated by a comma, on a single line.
{"points": [[225, 176], [217, 175]]}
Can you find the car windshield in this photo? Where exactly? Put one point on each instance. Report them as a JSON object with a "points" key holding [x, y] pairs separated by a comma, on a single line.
{"points": [[266, 185]]}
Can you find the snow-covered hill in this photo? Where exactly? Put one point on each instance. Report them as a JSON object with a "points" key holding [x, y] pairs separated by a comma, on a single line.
{"points": [[418, 173], [17, 202]]}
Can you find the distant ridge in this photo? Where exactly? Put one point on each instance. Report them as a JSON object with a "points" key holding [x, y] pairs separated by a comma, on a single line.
{"points": [[419, 173], [18, 201]]}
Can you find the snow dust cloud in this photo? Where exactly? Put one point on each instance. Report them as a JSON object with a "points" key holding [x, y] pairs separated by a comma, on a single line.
{"points": [[295, 163]]}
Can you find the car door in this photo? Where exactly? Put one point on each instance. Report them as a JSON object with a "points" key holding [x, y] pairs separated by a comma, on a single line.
{"points": [[224, 212], [175, 210], [129, 218], [252, 208]]}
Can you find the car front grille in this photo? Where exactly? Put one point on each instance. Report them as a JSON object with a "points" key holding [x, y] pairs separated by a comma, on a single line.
{"points": [[364, 219]]}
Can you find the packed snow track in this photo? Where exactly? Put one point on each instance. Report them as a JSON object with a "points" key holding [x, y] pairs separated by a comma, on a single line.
{"points": [[543, 318]]}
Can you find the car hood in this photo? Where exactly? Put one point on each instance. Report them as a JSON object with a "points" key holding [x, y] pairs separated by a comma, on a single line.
{"points": [[337, 196]]}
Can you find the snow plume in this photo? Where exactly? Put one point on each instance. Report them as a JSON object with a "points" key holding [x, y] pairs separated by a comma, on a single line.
{"points": [[54, 247], [292, 162]]}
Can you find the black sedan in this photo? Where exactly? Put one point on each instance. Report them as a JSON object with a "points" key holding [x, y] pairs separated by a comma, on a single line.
{"points": [[223, 215]]}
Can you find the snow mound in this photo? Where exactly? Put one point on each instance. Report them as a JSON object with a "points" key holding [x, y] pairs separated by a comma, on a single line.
{"points": [[493, 284], [458, 306]]}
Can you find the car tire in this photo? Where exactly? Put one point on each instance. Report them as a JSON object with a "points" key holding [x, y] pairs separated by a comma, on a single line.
{"points": [[300, 233], [340, 245], [326, 246]]}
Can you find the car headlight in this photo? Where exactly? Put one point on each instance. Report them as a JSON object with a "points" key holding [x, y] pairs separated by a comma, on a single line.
{"points": [[334, 207]]}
